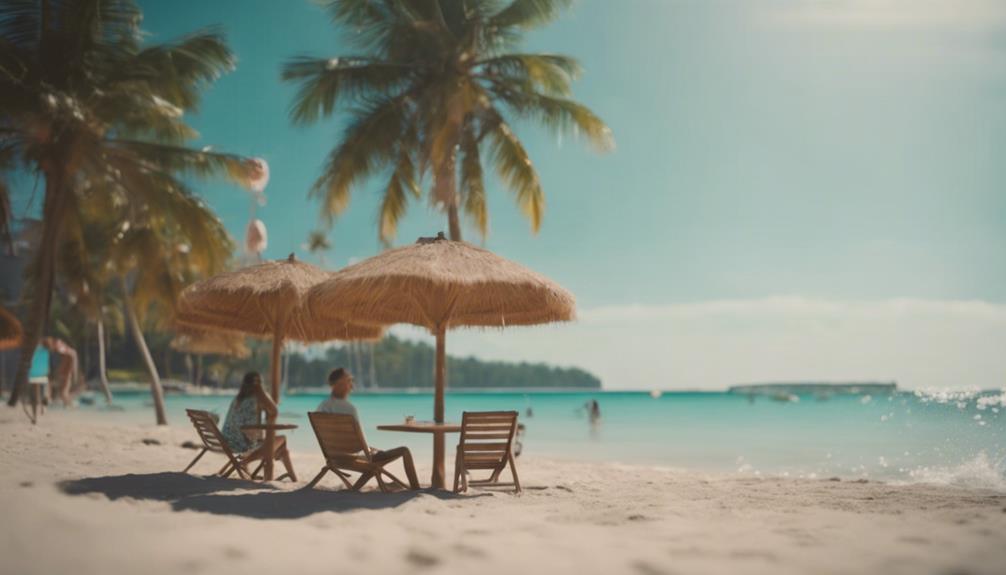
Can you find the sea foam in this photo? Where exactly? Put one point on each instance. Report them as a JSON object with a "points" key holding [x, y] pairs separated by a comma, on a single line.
{"points": [[981, 472]]}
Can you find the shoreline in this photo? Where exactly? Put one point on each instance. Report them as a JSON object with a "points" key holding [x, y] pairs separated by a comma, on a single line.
{"points": [[182, 387], [95, 488], [975, 468]]}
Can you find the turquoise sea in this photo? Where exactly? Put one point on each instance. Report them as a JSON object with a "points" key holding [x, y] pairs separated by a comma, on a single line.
{"points": [[942, 437]]}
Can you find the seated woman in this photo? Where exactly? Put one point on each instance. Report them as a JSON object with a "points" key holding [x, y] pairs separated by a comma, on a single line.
{"points": [[341, 382], [246, 409]]}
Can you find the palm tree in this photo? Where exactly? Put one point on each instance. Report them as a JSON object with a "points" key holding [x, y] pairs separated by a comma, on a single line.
{"points": [[317, 242], [106, 240], [434, 89], [82, 100], [81, 264]]}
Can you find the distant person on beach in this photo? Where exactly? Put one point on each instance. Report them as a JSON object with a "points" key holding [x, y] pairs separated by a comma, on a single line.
{"points": [[246, 409], [594, 411], [341, 382], [67, 373], [39, 375]]}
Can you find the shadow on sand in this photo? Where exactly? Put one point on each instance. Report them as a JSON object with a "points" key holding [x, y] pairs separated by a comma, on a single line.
{"points": [[303, 502], [169, 486], [193, 493]]}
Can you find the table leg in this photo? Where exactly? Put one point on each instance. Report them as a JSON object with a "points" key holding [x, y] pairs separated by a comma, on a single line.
{"points": [[269, 451], [437, 481]]}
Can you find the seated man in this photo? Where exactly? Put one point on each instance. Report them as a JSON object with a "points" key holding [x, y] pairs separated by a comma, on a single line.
{"points": [[341, 382]]}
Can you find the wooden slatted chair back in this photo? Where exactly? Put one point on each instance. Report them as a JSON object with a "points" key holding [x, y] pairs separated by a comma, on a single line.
{"points": [[486, 438], [339, 435], [208, 431]]}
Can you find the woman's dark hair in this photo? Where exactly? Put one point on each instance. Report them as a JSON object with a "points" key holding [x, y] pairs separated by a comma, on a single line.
{"points": [[336, 374], [248, 385]]}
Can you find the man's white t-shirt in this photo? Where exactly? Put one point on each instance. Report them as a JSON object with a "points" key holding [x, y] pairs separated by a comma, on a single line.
{"points": [[341, 406], [336, 405]]}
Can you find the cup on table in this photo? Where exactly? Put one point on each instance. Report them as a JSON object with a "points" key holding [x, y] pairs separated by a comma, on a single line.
{"points": [[409, 419]]}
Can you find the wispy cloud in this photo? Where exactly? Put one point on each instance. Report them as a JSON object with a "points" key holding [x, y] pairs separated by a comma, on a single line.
{"points": [[883, 14], [714, 344]]}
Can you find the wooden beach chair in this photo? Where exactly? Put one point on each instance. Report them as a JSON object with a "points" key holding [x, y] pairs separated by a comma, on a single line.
{"points": [[213, 440], [346, 450], [486, 443]]}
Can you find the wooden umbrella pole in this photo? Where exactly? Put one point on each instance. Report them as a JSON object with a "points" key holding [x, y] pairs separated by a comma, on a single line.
{"points": [[439, 451], [270, 434], [277, 357]]}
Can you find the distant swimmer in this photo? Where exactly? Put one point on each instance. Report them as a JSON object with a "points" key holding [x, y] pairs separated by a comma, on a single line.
{"points": [[595, 411]]}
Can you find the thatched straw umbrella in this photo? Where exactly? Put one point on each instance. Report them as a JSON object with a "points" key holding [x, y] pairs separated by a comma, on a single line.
{"points": [[211, 343], [441, 284], [10, 330], [265, 300], [200, 343]]}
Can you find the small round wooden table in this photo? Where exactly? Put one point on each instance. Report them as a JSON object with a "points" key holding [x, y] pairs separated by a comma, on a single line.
{"points": [[437, 481], [270, 441]]}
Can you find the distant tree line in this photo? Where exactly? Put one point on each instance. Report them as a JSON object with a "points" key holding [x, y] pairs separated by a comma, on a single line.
{"points": [[395, 363], [392, 363]]}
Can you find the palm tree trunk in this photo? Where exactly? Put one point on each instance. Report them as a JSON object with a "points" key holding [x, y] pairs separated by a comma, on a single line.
{"points": [[450, 184], [155, 381], [445, 190], [102, 373], [45, 269], [454, 222]]}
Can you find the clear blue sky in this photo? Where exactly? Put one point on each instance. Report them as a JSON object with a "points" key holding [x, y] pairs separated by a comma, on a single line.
{"points": [[849, 150], [762, 148]]}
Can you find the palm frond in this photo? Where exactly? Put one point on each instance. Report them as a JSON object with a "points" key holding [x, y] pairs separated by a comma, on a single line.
{"points": [[357, 14], [383, 27], [394, 203], [176, 72], [549, 73], [149, 93], [20, 22], [176, 159], [559, 115], [473, 190], [182, 219], [527, 14], [514, 167], [364, 148], [403, 184], [88, 23], [325, 82], [317, 241]]}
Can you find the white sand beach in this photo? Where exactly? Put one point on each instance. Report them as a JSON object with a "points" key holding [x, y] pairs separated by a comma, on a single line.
{"points": [[80, 494]]}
